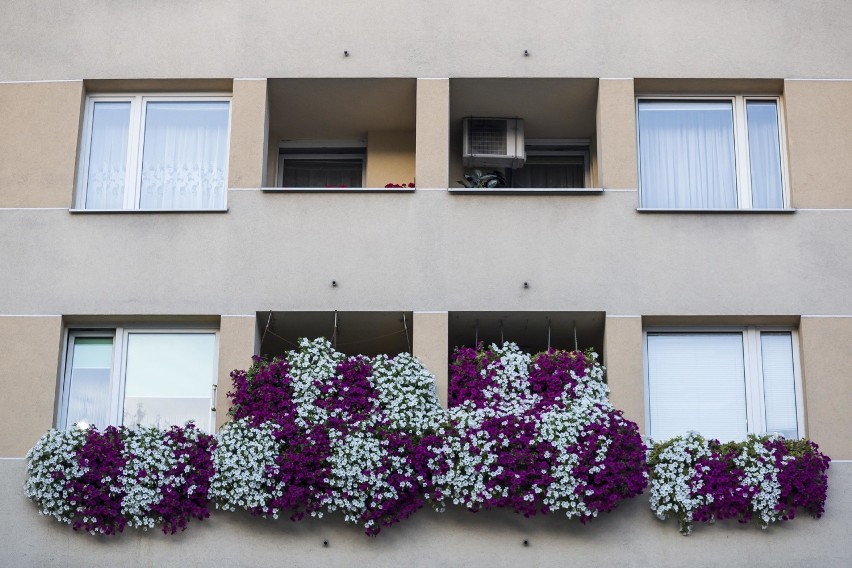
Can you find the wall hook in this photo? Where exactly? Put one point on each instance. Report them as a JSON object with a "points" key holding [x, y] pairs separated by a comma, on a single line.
{"points": [[345, 54]]}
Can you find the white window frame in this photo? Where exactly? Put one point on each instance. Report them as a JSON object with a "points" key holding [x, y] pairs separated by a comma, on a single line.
{"points": [[753, 369], [136, 142], [321, 144], [583, 149], [118, 375], [741, 157]]}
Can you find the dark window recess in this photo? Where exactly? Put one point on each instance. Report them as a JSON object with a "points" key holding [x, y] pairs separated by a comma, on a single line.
{"points": [[322, 172], [550, 171]]}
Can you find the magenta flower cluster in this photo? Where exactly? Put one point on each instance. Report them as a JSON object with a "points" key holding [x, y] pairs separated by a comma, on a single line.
{"points": [[104, 481], [539, 433], [338, 442], [763, 479]]}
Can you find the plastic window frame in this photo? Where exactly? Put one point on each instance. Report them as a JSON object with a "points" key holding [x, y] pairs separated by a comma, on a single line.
{"points": [[321, 144], [741, 154], [584, 150], [136, 142], [118, 371], [753, 370]]}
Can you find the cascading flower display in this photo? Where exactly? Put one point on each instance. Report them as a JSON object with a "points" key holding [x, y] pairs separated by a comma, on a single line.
{"points": [[536, 434], [103, 481], [763, 479], [318, 432]]}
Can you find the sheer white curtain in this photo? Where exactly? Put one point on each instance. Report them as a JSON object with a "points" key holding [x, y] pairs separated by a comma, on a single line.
{"points": [[184, 155], [89, 383], [764, 153], [686, 154], [779, 383], [107, 168]]}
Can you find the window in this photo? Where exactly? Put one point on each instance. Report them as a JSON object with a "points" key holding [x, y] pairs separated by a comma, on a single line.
{"points": [[154, 153], [138, 376], [321, 163], [711, 153], [723, 383], [553, 163]]}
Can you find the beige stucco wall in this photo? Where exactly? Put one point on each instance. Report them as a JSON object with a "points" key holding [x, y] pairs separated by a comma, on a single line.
{"points": [[433, 132], [425, 250], [249, 132], [28, 376], [430, 346], [625, 375], [257, 38], [390, 157], [39, 125], [236, 346], [616, 134], [819, 140], [826, 346]]}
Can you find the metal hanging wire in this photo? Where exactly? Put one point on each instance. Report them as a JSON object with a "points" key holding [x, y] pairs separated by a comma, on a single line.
{"points": [[405, 325], [576, 348], [334, 332], [266, 330], [548, 334]]}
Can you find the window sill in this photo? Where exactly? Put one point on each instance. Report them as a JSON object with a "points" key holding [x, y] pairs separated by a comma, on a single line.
{"points": [[338, 189], [526, 191], [715, 211], [147, 211]]}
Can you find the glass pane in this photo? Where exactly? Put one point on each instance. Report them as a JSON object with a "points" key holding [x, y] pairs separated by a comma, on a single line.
{"points": [[89, 384], [764, 153], [326, 172], [169, 379], [107, 169], [184, 155], [686, 154], [779, 383], [696, 382]]}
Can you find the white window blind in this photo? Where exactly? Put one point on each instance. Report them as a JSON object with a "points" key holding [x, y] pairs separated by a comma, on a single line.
{"points": [[696, 382]]}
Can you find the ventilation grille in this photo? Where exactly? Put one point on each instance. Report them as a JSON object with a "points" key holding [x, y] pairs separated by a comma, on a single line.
{"points": [[488, 136]]}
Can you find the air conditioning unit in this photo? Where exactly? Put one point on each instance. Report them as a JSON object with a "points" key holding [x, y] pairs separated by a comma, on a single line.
{"points": [[494, 142]]}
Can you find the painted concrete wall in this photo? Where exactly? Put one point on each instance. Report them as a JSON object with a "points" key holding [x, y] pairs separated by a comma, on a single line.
{"points": [[826, 369], [390, 157], [819, 141], [39, 127], [425, 250], [629, 536], [431, 330], [249, 130], [596, 38], [28, 374], [625, 375]]}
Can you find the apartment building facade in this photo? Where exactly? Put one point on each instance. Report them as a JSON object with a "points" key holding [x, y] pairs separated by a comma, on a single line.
{"points": [[213, 180]]}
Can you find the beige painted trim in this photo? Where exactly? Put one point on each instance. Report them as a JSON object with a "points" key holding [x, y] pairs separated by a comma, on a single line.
{"points": [[616, 134], [432, 133], [624, 361], [236, 346], [247, 162], [430, 344]]}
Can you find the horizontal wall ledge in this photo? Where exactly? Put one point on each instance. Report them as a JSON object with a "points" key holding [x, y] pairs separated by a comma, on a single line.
{"points": [[526, 191], [338, 189], [122, 211], [693, 211]]}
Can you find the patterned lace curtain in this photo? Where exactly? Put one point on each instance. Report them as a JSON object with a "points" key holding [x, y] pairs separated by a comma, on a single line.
{"points": [[184, 155], [107, 167]]}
